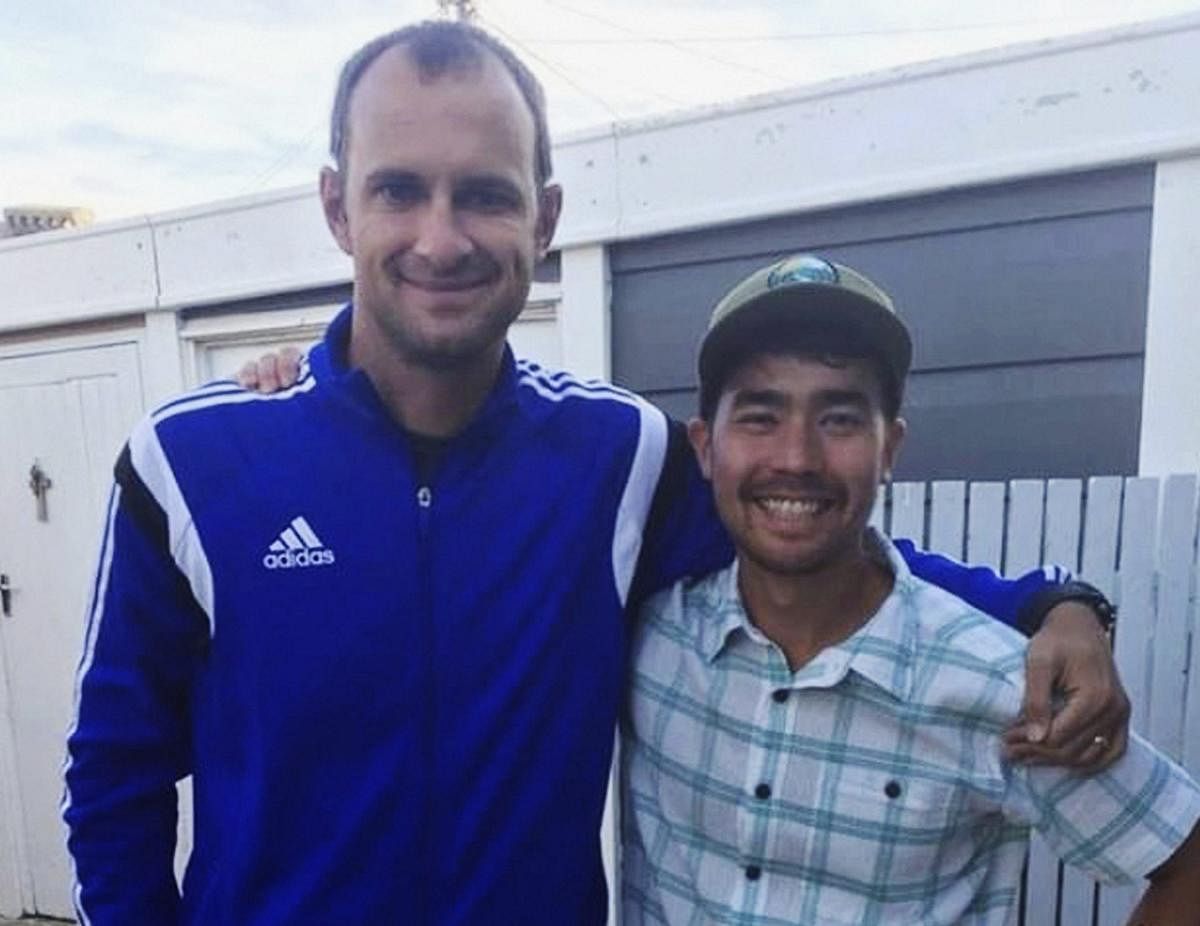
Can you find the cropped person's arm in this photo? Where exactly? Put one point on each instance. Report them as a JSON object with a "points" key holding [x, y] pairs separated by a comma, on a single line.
{"points": [[1174, 893]]}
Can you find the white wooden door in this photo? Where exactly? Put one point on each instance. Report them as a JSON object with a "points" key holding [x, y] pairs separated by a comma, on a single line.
{"points": [[67, 411]]}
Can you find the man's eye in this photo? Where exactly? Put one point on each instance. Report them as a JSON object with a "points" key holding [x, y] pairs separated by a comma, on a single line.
{"points": [[843, 421], [398, 194], [755, 419]]}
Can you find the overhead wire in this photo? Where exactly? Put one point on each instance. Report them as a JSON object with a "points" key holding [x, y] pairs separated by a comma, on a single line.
{"points": [[670, 43], [287, 156], [797, 36], [525, 43], [493, 26]]}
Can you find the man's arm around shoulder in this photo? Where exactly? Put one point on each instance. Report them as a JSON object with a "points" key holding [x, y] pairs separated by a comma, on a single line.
{"points": [[1069, 654]]}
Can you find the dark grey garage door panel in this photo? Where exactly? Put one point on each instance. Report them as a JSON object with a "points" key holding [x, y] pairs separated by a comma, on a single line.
{"points": [[1037, 421], [1069, 288], [1065, 289], [1120, 189]]}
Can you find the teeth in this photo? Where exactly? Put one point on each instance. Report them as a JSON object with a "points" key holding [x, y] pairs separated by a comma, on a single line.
{"points": [[792, 507]]}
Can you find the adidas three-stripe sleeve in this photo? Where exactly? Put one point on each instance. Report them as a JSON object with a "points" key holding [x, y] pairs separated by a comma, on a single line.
{"points": [[129, 741]]}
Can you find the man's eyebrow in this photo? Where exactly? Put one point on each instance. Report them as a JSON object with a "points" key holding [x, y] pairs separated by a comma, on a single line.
{"points": [[844, 397], [771, 397], [392, 175], [488, 177], [487, 181]]}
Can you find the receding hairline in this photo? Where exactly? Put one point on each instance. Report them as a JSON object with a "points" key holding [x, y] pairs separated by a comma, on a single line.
{"points": [[467, 59]]}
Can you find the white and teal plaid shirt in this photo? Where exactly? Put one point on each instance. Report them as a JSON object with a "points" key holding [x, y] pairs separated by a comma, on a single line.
{"points": [[868, 787]]}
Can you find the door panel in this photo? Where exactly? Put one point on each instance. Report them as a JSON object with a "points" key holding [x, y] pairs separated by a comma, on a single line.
{"points": [[69, 412]]}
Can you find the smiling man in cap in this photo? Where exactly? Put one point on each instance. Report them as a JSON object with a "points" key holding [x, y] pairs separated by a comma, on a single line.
{"points": [[814, 733]]}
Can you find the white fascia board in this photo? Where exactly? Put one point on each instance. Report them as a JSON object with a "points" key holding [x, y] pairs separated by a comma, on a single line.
{"points": [[1115, 97], [250, 247], [72, 275], [587, 169]]}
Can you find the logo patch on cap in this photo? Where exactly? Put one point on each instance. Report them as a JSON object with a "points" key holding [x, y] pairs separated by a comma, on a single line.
{"points": [[803, 269]]}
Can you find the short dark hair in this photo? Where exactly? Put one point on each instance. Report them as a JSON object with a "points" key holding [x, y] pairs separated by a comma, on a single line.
{"points": [[437, 47], [766, 337]]}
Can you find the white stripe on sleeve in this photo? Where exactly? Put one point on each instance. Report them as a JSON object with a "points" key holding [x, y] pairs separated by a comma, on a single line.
{"points": [[638, 495], [186, 549]]}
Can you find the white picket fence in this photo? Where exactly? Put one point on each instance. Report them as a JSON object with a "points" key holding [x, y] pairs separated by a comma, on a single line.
{"points": [[1135, 539]]}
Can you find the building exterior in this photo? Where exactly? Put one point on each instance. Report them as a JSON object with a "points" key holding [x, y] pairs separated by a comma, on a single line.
{"points": [[1033, 210], [29, 220]]}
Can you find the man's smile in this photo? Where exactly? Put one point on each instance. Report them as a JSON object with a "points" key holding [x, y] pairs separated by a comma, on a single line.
{"points": [[456, 283], [797, 509]]}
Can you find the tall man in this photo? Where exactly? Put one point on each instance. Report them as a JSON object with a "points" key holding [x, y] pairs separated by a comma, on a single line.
{"points": [[814, 733], [390, 647]]}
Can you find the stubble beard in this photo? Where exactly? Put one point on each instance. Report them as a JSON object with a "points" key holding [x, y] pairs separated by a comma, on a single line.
{"points": [[471, 343]]}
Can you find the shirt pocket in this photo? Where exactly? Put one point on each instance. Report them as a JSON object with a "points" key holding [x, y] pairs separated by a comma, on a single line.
{"points": [[890, 832]]}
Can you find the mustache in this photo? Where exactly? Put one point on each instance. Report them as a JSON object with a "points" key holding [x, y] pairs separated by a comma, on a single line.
{"points": [[798, 484], [472, 269]]}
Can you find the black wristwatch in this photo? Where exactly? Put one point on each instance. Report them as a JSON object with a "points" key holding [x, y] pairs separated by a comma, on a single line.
{"points": [[1033, 614]]}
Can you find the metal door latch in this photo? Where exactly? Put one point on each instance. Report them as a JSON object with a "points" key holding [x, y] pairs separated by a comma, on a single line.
{"points": [[5, 596], [39, 483]]}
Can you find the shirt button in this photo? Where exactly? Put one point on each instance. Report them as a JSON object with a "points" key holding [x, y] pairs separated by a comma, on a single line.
{"points": [[753, 872], [892, 789], [763, 791], [779, 695]]}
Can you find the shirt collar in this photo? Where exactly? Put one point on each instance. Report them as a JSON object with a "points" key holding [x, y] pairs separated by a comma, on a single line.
{"points": [[726, 614], [882, 651]]}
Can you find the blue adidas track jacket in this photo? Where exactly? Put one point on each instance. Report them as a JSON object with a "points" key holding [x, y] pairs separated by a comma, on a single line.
{"points": [[397, 699]]}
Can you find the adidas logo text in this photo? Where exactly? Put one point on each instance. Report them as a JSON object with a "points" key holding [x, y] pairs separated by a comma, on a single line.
{"points": [[288, 559], [297, 547]]}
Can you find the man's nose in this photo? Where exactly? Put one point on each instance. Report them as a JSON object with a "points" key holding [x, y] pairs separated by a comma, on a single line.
{"points": [[440, 238], [800, 449]]}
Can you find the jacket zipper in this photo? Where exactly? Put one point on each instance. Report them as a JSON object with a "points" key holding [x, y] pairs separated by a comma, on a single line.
{"points": [[424, 498]]}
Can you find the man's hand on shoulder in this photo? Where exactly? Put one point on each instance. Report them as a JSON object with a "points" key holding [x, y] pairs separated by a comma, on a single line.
{"points": [[1087, 730], [271, 372]]}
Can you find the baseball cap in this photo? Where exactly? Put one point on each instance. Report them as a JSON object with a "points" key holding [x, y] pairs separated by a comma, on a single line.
{"points": [[806, 299]]}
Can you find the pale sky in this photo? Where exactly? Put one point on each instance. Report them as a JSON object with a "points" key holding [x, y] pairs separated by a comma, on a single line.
{"points": [[137, 106]]}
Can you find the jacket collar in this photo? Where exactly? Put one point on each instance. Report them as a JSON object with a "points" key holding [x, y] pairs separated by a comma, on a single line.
{"points": [[329, 363]]}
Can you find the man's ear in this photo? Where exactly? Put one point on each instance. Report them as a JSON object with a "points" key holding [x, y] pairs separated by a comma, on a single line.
{"points": [[700, 437], [893, 439], [549, 208], [333, 202]]}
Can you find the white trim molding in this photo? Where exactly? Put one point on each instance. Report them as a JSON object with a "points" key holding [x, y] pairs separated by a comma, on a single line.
{"points": [[1170, 437]]}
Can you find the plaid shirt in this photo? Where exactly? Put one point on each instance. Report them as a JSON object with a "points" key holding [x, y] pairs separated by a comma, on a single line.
{"points": [[867, 787]]}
